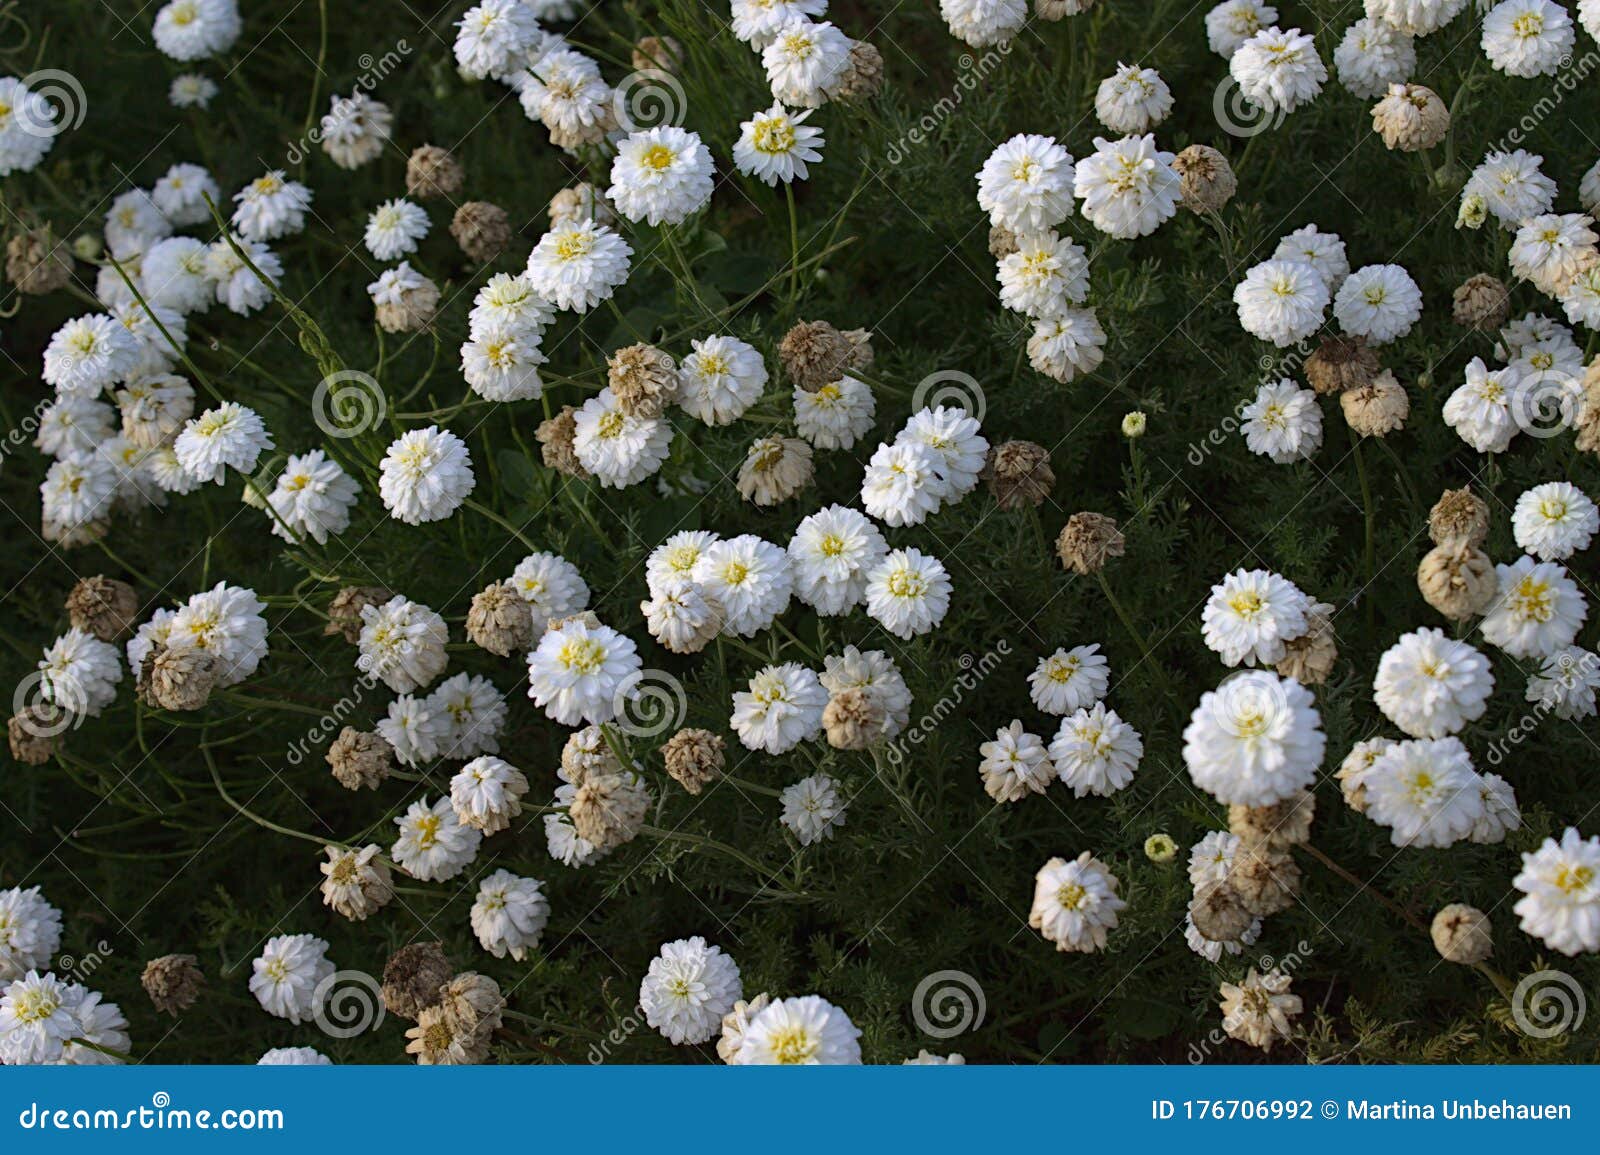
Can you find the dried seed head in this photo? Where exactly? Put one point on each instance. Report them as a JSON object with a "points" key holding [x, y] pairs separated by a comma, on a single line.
{"points": [[1481, 302], [433, 172], [1459, 515], [694, 758], [609, 809], [643, 379], [344, 611], [1088, 541], [413, 312], [660, 53], [1457, 579], [555, 437], [1341, 363], [1462, 934], [1206, 178], [37, 263], [177, 679], [1281, 825], [360, 759], [775, 469], [1266, 880], [815, 354], [500, 621], [864, 78], [1019, 474], [104, 607], [854, 719], [412, 978], [1218, 914], [173, 982], [483, 230]]}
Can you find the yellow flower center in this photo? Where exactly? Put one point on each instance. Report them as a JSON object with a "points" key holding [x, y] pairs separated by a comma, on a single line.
{"points": [[1535, 599], [793, 1045], [734, 573], [570, 246], [1573, 878], [1246, 605], [774, 136], [831, 545], [657, 157], [611, 424], [585, 655], [1071, 896], [907, 584]]}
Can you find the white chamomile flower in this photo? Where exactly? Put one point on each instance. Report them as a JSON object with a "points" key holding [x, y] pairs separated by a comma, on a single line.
{"points": [[782, 708], [191, 90], [1211, 859], [1500, 815], [1233, 22], [293, 1057], [1095, 751], [181, 195], [1045, 276], [227, 623], [507, 301], [76, 496], [174, 276], [1324, 252], [494, 38], [1278, 71], [313, 497], [286, 978], [1132, 99], [680, 616], [356, 129], [1512, 186], [487, 793], [1560, 885], [875, 672], [750, 578], [1251, 615], [73, 424], [1015, 764], [805, 62], [195, 29], [425, 475], [238, 286], [1378, 302], [1067, 344], [413, 728], [835, 415], [1555, 520], [552, 587], [394, 228], [661, 175], [578, 264], [1528, 37], [28, 127], [756, 22], [1254, 740], [777, 145], [1075, 903], [1128, 187], [1281, 301], [509, 914], [1070, 680], [981, 23], [1431, 685], [38, 1019], [229, 436], [1566, 683], [720, 379], [1416, 17], [620, 449], [502, 363], [1372, 55], [1480, 409], [564, 91], [79, 673], [433, 844], [1425, 791], [831, 553], [1026, 184], [161, 333], [675, 559], [903, 484], [908, 593], [582, 673], [1283, 422], [270, 207], [403, 643], [1538, 610], [959, 450], [471, 714], [91, 354], [1550, 250], [1589, 186], [812, 809], [689, 987], [806, 1031], [1580, 299]]}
